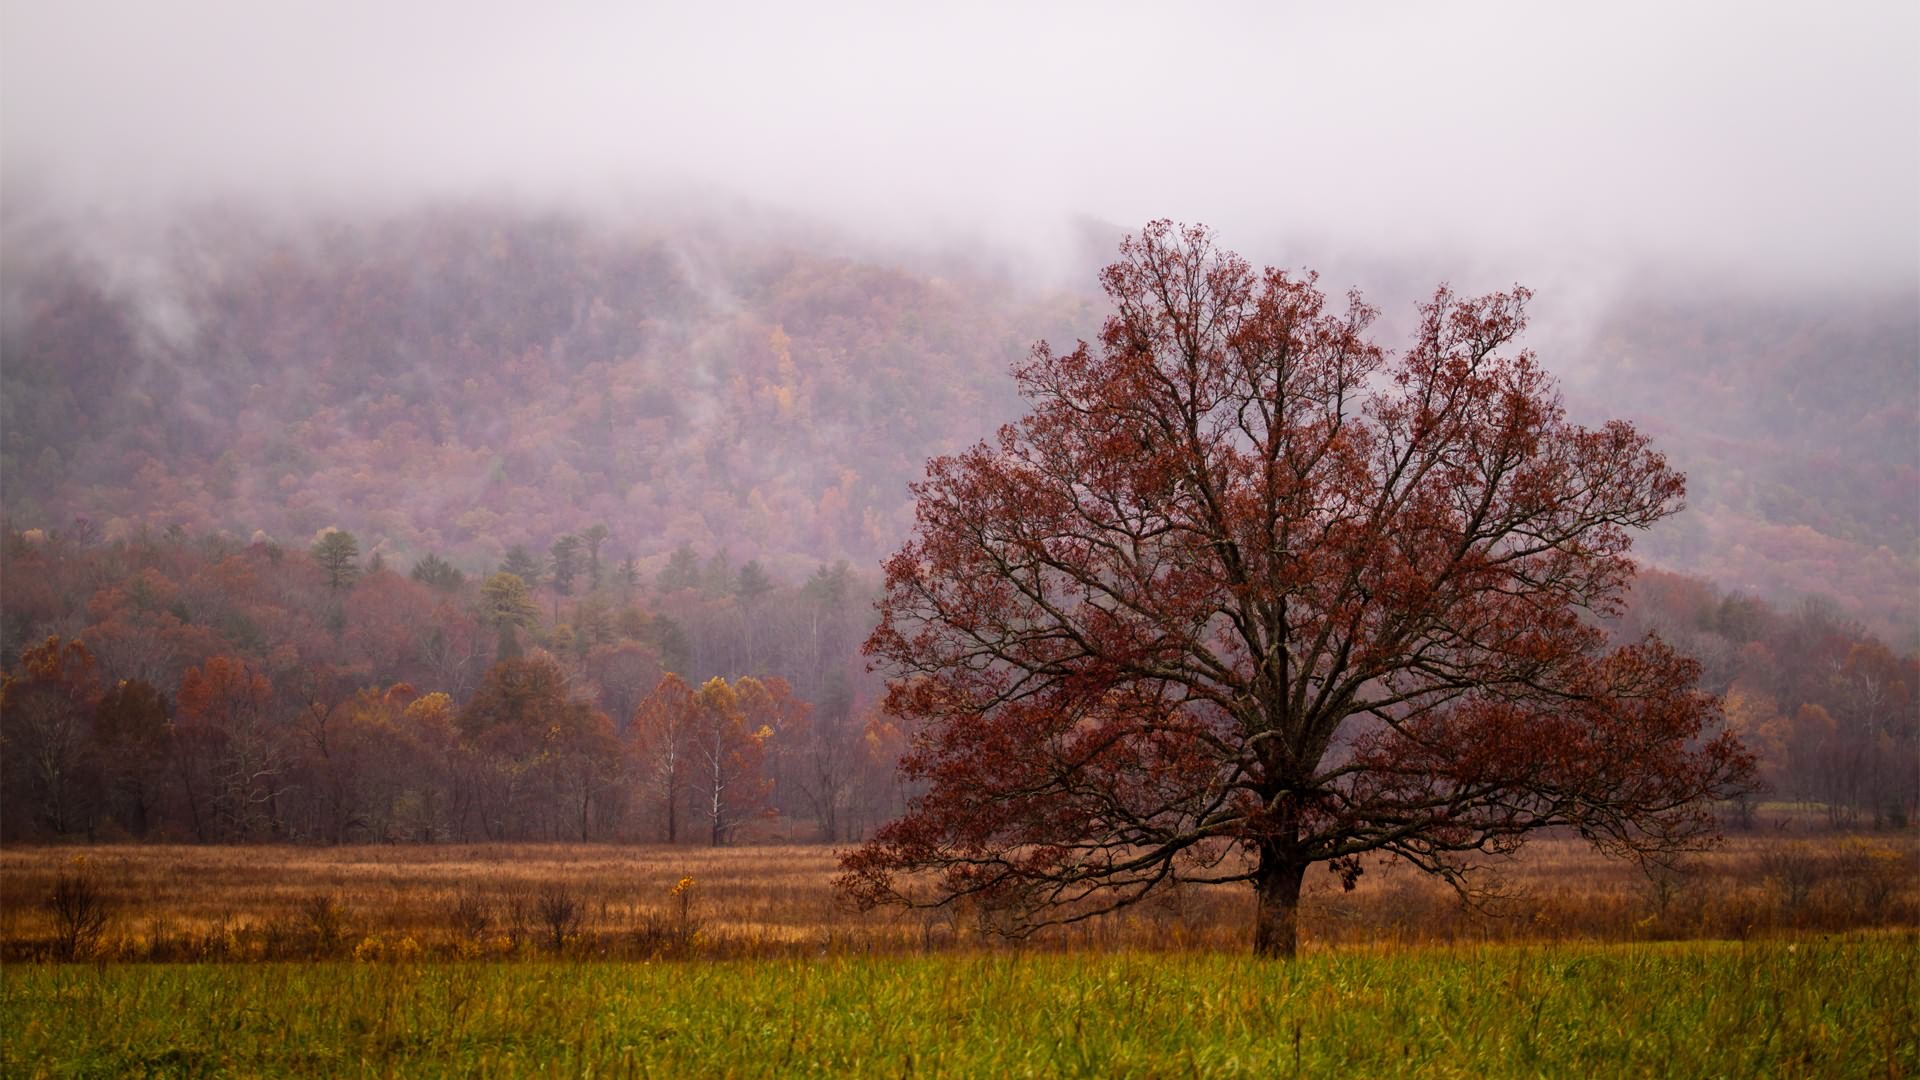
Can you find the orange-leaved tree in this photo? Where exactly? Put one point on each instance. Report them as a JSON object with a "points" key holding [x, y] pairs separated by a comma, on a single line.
{"points": [[661, 743], [1244, 593], [709, 746], [729, 753]]}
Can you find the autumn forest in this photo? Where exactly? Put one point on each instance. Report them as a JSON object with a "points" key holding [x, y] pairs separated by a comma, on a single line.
{"points": [[484, 525]]}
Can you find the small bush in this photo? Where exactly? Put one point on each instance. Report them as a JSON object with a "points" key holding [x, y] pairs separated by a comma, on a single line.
{"points": [[1869, 875], [559, 911], [1795, 871], [472, 916], [79, 909], [326, 923]]}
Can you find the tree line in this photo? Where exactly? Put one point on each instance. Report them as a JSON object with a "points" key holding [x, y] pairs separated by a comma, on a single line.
{"points": [[203, 689], [163, 686], [1831, 711]]}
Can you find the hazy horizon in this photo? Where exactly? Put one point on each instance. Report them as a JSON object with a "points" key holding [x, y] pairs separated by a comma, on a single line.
{"points": [[1741, 144]]}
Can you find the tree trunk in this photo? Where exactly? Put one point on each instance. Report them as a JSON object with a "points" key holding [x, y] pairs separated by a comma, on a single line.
{"points": [[1276, 887]]}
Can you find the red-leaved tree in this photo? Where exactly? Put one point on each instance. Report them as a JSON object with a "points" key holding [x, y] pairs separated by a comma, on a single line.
{"points": [[1244, 594]]}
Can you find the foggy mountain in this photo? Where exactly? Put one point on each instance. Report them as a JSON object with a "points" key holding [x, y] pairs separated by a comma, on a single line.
{"points": [[458, 278], [461, 379]]}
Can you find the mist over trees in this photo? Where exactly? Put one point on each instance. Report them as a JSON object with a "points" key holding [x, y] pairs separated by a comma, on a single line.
{"points": [[462, 381], [368, 460], [467, 382], [202, 689]]}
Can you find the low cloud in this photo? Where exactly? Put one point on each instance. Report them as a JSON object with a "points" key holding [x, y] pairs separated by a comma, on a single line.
{"points": [[1769, 141]]}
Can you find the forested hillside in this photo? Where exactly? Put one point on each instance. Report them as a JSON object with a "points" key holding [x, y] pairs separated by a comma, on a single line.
{"points": [[1798, 425], [458, 382], [396, 529]]}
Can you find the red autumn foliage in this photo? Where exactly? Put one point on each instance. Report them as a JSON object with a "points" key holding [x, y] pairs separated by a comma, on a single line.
{"points": [[1243, 594]]}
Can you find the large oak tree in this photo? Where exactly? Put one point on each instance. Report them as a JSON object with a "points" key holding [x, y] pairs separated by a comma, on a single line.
{"points": [[1245, 593]]}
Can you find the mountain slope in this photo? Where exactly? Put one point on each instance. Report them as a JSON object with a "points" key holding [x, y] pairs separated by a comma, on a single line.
{"points": [[461, 381]]}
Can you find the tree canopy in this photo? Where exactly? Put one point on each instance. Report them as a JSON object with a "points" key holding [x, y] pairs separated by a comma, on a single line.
{"points": [[337, 551], [1244, 593]]}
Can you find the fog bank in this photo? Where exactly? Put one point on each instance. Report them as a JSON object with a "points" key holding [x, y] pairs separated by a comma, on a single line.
{"points": [[1768, 142]]}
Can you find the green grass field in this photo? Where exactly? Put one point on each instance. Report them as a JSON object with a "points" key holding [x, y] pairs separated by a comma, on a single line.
{"points": [[1827, 1007]]}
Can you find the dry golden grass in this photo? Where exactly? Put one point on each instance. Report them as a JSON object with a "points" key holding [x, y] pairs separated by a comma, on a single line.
{"points": [[186, 902]]}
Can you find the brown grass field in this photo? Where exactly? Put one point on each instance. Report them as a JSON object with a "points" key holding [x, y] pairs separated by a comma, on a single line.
{"points": [[508, 900]]}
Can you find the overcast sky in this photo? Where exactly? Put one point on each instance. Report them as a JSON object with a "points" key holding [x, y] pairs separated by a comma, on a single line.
{"points": [[1770, 139]]}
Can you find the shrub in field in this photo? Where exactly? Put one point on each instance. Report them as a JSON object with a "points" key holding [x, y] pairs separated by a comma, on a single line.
{"points": [[79, 909], [1869, 875], [471, 915], [559, 911], [326, 923], [1795, 871]]}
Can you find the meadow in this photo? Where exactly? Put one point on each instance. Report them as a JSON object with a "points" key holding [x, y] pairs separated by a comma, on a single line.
{"points": [[1799, 959], [1829, 1006], [190, 903]]}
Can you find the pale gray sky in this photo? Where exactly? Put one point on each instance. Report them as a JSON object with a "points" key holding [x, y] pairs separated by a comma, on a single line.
{"points": [[1777, 140]]}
